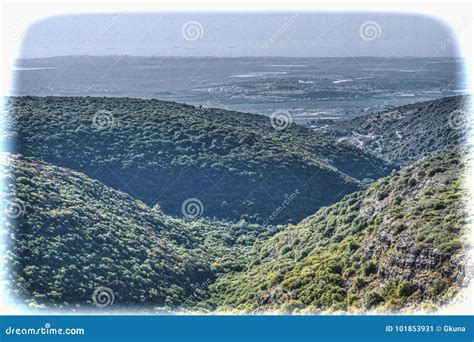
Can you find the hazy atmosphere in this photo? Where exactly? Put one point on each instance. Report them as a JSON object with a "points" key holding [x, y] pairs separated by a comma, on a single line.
{"points": [[237, 163], [237, 34]]}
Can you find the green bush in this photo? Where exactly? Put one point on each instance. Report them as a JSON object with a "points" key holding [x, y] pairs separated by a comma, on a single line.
{"points": [[370, 268], [406, 289], [373, 299]]}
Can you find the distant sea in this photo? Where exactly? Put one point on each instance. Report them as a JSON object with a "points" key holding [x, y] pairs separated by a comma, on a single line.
{"points": [[308, 88]]}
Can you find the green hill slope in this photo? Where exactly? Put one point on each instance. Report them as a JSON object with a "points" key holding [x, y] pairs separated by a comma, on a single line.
{"points": [[163, 153], [71, 235], [395, 244], [406, 134]]}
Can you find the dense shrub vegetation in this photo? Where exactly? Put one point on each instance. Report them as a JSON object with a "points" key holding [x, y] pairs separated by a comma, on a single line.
{"points": [[406, 134], [96, 200], [164, 153], [75, 235], [364, 252]]}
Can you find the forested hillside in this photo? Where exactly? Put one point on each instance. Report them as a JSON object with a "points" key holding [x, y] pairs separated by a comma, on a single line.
{"points": [[71, 234], [394, 245], [406, 134], [282, 220], [164, 153]]}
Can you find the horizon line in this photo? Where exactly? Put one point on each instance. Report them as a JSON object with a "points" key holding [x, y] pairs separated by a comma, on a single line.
{"points": [[230, 57]]}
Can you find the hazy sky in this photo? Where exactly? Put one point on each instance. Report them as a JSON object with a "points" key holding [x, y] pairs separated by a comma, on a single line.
{"points": [[303, 34]]}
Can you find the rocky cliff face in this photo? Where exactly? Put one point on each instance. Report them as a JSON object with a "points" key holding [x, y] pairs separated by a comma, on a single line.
{"points": [[402, 260], [395, 245]]}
